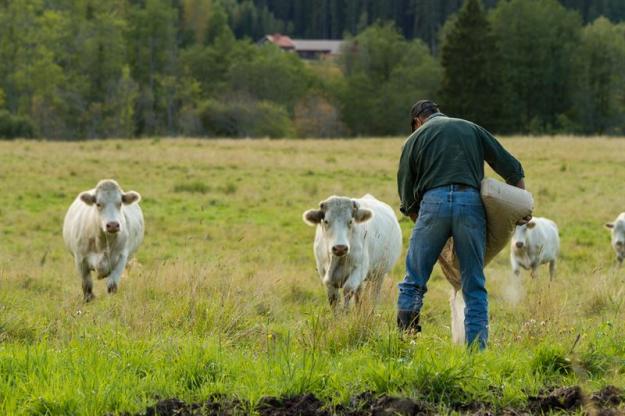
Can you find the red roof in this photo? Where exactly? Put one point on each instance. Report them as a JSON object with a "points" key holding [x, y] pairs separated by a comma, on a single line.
{"points": [[282, 41]]}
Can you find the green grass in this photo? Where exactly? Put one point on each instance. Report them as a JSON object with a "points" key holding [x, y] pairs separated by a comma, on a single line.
{"points": [[224, 297]]}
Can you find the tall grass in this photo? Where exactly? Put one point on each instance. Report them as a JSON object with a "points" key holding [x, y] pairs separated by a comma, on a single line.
{"points": [[224, 297]]}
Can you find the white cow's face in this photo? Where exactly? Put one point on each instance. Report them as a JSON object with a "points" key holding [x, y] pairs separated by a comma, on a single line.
{"points": [[519, 238], [336, 217], [108, 199], [618, 238]]}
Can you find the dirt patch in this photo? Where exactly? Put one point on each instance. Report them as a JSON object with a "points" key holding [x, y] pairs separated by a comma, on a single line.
{"points": [[171, 407], [304, 405], [216, 406], [390, 406], [562, 400], [608, 396], [371, 404], [361, 405]]}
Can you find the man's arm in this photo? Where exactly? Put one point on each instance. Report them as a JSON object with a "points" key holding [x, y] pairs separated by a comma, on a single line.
{"points": [[406, 179], [502, 162], [524, 220]]}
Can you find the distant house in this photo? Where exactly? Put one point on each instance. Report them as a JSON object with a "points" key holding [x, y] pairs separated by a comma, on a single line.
{"points": [[305, 48]]}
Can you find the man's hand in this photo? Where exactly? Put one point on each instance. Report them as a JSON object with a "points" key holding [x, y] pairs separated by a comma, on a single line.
{"points": [[524, 220], [413, 216]]}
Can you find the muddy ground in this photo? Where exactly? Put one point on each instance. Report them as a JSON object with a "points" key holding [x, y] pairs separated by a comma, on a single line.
{"points": [[565, 400]]}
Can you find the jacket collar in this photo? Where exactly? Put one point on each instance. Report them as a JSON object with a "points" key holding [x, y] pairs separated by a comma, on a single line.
{"points": [[433, 116]]}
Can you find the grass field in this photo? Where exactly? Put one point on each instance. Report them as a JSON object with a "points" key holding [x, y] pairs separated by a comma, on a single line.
{"points": [[225, 299]]}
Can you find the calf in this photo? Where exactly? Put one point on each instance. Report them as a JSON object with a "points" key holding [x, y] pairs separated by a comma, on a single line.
{"points": [[533, 244], [103, 229], [356, 240], [618, 236]]}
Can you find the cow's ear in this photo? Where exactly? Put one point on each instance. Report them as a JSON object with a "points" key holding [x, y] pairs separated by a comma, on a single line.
{"points": [[313, 216], [531, 225], [362, 215], [609, 225], [87, 198], [131, 197]]}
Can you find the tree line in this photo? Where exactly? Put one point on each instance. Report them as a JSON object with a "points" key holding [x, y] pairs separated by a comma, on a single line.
{"points": [[332, 19], [75, 69]]}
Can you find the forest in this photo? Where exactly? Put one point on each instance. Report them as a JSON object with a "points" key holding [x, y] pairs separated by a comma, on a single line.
{"points": [[84, 69]]}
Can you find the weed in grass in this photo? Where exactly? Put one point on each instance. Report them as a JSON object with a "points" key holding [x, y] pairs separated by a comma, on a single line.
{"points": [[550, 360], [192, 187], [228, 189]]}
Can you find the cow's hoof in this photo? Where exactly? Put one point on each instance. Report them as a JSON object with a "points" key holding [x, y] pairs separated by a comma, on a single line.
{"points": [[89, 297], [112, 288]]}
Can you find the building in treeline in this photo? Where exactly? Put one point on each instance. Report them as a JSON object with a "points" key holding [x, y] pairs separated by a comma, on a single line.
{"points": [[305, 48]]}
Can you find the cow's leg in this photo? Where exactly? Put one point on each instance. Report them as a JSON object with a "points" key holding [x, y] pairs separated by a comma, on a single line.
{"points": [[620, 261], [87, 282], [533, 272], [353, 284], [552, 269], [330, 280], [456, 302], [333, 294], [516, 270], [358, 297], [113, 279]]}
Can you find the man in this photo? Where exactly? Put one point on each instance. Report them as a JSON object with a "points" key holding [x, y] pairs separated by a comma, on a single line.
{"points": [[440, 170]]}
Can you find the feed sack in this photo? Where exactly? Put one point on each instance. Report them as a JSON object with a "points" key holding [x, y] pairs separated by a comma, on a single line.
{"points": [[504, 205]]}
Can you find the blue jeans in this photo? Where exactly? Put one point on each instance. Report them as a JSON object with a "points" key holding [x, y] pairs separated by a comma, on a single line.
{"points": [[448, 212]]}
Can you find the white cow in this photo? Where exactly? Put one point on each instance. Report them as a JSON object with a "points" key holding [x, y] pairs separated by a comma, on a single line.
{"points": [[103, 228], [618, 236], [533, 244], [357, 240]]}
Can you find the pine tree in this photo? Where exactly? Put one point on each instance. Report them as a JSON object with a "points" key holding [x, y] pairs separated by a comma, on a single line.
{"points": [[536, 41], [469, 58], [599, 78]]}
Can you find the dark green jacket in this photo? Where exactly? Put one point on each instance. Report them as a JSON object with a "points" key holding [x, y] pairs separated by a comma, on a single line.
{"points": [[445, 151]]}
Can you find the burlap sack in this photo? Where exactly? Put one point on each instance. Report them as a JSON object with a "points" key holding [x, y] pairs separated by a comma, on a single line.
{"points": [[504, 205]]}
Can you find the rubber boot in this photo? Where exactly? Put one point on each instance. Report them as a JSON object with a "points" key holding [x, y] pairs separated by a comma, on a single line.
{"points": [[408, 321]]}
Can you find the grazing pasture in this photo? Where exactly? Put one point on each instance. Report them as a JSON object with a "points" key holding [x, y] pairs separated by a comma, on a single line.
{"points": [[223, 297]]}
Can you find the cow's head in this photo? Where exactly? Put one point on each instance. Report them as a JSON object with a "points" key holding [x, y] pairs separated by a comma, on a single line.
{"points": [[336, 216], [108, 199], [617, 229], [519, 238]]}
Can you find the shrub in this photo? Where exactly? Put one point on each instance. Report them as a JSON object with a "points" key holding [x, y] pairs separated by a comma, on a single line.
{"points": [[317, 117], [12, 126], [245, 118]]}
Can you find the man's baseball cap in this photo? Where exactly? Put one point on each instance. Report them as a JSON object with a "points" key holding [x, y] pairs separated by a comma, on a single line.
{"points": [[421, 106]]}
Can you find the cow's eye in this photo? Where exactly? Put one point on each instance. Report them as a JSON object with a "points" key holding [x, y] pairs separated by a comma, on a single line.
{"points": [[325, 222], [99, 205], [351, 222]]}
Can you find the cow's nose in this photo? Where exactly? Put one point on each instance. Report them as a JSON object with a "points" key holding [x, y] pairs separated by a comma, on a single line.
{"points": [[619, 243], [112, 227], [340, 250], [519, 244]]}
